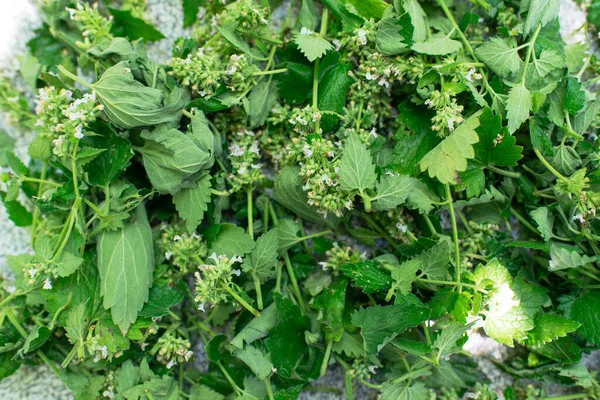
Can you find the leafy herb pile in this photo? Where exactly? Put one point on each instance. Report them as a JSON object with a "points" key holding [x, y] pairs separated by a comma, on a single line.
{"points": [[357, 185]]}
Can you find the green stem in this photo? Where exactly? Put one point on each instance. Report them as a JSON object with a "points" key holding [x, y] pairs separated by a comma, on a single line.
{"points": [[379, 230], [325, 362], [449, 283], [41, 181], [269, 389], [524, 221], [259, 299], [235, 387], [72, 218], [434, 232], [36, 211], [348, 385], [240, 300], [434, 359], [550, 168], [497, 170], [567, 397], [249, 202], [454, 236], [73, 77], [270, 72], [411, 374], [294, 281], [529, 51]]}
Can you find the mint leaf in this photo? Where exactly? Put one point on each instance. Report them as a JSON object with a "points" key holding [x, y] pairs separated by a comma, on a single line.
{"points": [[404, 275], [334, 85], [126, 263], [402, 391], [545, 222], [495, 145], [368, 276], [438, 44], [231, 240], [391, 191], [518, 106], [256, 360], [312, 45], [331, 303], [575, 96], [132, 27], [357, 171], [381, 324], [585, 311], [548, 61], [192, 202], [549, 327], [451, 155], [500, 56], [262, 260], [562, 257], [539, 12]]}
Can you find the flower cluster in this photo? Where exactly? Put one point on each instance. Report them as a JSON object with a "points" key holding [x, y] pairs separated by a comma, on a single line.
{"points": [[93, 25], [247, 14], [41, 272], [213, 280], [400, 225], [173, 350], [338, 256], [63, 119], [447, 112], [359, 43], [101, 344], [14, 104], [205, 72], [244, 154], [180, 248]]}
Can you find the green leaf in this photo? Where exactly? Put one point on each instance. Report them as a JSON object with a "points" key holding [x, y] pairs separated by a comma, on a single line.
{"points": [[388, 39], [40, 148], [402, 391], [103, 169], [566, 159], [7, 145], [286, 340], [357, 171], [261, 99], [68, 264], [488, 150], [288, 192], [312, 45], [381, 324], [201, 392], [263, 259], [539, 131], [331, 303], [126, 264], [434, 261], [545, 222], [190, 11], [170, 157], [192, 202], [500, 56], [132, 27], [539, 12], [439, 44], [127, 376], [334, 85], [518, 106], [450, 156], [549, 327], [548, 61], [231, 240], [585, 310], [562, 257], [392, 190], [575, 96], [256, 360], [295, 85], [418, 18], [130, 104], [77, 324], [368, 276], [370, 8], [308, 15], [17, 213], [421, 197], [258, 328], [160, 299], [404, 275], [158, 388], [445, 343], [287, 234]]}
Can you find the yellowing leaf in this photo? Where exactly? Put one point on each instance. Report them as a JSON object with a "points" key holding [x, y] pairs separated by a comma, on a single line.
{"points": [[450, 156]]}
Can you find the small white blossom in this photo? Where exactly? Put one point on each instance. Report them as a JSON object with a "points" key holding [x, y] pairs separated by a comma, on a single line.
{"points": [[323, 265], [78, 132], [32, 272], [307, 151], [236, 259], [372, 369], [235, 150], [243, 170], [306, 31], [451, 124], [201, 305], [237, 272], [231, 70], [168, 255], [579, 218], [428, 103], [373, 132], [214, 257], [337, 44], [47, 284], [362, 37], [171, 363], [177, 238], [301, 120], [254, 148], [401, 227], [371, 77]]}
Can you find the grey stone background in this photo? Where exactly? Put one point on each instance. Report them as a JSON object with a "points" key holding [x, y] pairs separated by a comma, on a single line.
{"points": [[19, 18]]}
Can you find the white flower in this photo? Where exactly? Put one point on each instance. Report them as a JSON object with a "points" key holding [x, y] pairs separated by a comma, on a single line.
{"points": [[306, 31], [373, 132], [235, 150], [301, 120], [362, 37], [323, 265], [168, 255], [108, 394], [255, 166], [231, 70], [349, 205], [72, 12], [401, 227], [384, 82], [254, 148], [237, 272], [201, 306], [188, 354], [307, 151], [451, 124], [78, 131], [243, 170], [171, 363], [472, 75], [592, 136], [428, 103], [32, 272], [371, 77], [579, 218], [236, 259], [177, 238], [372, 369], [68, 94], [47, 284], [337, 44], [104, 351], [214, 257], [201, 13]]}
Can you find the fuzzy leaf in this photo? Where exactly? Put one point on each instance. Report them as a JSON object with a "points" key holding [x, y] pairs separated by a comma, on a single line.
{"points": [[191, 203], [368, 276], [357, 171], [585, 310], [549, 327], [231, 240], [500, 56], [312, 45], [391, 191], [438, 44], [518, 106], [505, 153], [262, 260]]}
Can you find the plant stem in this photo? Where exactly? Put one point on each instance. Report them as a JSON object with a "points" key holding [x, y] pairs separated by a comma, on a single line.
{"points": [[235, 387], [270, 72], [240, 300], [524, 221], [249, 200], [269, 389], [449, 283], [550, 168], [497, 170], [325, 362], [36, 210], [529, 51], [379, 230], [290, 271], [41, 181], [454, 237], [259, 299]]}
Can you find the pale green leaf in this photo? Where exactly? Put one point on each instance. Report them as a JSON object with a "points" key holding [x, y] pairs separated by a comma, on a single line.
{"points": [[549, 327], [562, 257], [231, 241], [77, 324], [438, 44], [402, 391], [391, 191], [312, 45], [500, 56], [126, 264], [445, 343], [68, 264], [586, 311], [518, 106], [450, 156], [256, 360], [191, 203], [544, 220], [418, 18], [540, 12], [262, 260], [357, 171], [404, 275], [548, 61]]}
